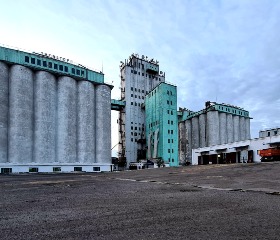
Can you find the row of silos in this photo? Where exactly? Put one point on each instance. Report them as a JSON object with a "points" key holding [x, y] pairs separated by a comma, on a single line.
{"points": [[45, 119], [211, 128]]}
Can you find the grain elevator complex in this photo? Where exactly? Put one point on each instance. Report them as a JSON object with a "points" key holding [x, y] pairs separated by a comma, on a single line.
{"points": [[56, 117]]}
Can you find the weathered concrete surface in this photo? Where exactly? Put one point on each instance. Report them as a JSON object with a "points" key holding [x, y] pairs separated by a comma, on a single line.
{"points": [[103, 124], [20, 131], [238, 201], [44, 117], [4, 111], [66, 120]]}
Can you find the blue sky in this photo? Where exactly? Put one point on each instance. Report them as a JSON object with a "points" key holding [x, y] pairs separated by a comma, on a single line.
{"points": [[225, 51]]}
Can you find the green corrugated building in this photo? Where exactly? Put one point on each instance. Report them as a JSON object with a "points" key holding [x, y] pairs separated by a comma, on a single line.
{"points": [[162, 124]]}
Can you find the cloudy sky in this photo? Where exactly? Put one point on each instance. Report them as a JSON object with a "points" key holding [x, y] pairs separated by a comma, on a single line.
{"points": [[219, 50]]}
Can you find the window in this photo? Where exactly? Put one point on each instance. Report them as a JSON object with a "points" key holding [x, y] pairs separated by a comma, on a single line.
{"points": [[172, 150], [131, 128], [73, 71], [167, 92], [135, 89], [131, 133], [131, 139], [44, 63], [56, 169], [171, 112], [6, 170], [168, 150], [33, 60], [131, 95], [49, 64], [167, 101], [170, 93], [135, 96], [142, 74], [26, 59], [168, 131], [171, 102], [33, 169], [131, 103], [168, 140], [82, 73], [55, 66], [96, 169], [131, 88], [171, 131], [138, 73], [135, 134], [38, 62], [78, 169], [78, 72], [61, 68], [135, 72], [65, 68], [172, 159], [135, 128], [159, 79], [172, 140], [135, 103], [171, 122], [131, 71], [268, 134], [275, 132]]}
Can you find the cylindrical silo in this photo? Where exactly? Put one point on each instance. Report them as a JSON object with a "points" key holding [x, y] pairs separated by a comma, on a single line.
{"points": [[195, 132], [4, 110], [236, 127], [182, 142], [189, 147], [212, 128], [103, 124], [223, 127], [247, 129], [229, 128], [202, 130], [66, 120], [242, 132], [86, 122], [44, 117], [20, 115]]}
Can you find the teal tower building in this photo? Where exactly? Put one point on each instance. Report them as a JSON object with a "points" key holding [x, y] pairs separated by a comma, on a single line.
{"points": [[162, 124]]}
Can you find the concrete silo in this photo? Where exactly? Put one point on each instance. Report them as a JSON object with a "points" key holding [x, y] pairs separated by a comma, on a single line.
{"points": [[229, 128], [242, 133], [223, 127], [66, 120], [44, 117], [4, 110], [212, 128], [86, 122], [236, 128], [103, 123], [21, 115], [195, 132], [202, 130]]}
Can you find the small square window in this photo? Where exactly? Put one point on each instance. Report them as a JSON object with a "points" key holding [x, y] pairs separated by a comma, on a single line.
{"points": [[168, 140], [55, 66], [78, 169], [131, 139], [65, 69], [26, 59], [49, 64], [167, 102], [131, 103], [168, 121], [171, 131], [131, 71], [33, 169], [38, 62], [60, 67], [131, 95], [96, 169], [73, 71], [33, 60], [78, 72], [131, 128], [56, 169], [168, 150], [131, 88], [82, 72], [44, 63]]}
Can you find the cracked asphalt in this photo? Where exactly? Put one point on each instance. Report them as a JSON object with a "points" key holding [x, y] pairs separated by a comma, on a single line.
{"points": [[236, 201]]}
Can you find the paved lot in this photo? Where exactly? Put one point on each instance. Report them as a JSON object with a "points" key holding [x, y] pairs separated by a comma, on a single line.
{"points": [[198, 202]]}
